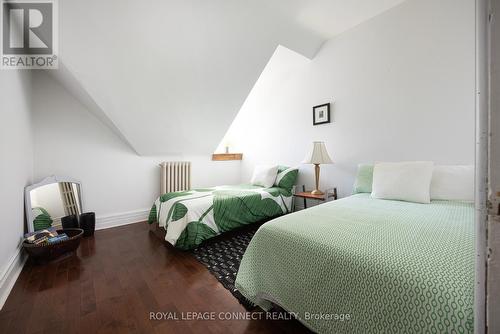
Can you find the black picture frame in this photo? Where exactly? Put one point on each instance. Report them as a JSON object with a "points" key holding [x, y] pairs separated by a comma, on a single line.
{"points": [[315, 118]]}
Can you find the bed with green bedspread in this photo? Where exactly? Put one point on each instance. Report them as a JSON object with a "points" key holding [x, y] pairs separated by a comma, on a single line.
{"points": [[391, 266], [190, 217]]}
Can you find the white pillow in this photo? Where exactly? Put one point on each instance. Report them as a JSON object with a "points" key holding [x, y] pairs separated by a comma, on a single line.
{"points": [[404, 181], [264, 175], [453, 183]]}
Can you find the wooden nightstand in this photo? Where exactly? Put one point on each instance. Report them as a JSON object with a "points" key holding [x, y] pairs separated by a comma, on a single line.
{"points": [[329, 195]]}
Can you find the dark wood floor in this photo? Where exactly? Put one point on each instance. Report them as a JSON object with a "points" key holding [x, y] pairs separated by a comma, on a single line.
{"points": [[117, 278]]}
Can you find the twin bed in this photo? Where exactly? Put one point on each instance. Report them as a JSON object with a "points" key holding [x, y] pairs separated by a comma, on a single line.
{"points": [[187, 218], [355, 265]]}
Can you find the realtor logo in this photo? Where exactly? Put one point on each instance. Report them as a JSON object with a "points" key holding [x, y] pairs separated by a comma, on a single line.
{"points": [[29, 34]]}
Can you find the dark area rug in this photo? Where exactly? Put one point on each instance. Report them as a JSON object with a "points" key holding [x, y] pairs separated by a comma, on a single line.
{"points": [[222, 256]]}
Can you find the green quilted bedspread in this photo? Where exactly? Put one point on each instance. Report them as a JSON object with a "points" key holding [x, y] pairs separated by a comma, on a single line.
{"points": [[362, 265], [190, 217]]}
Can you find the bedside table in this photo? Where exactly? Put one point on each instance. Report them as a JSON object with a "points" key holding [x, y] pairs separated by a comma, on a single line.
{"points": [[330, 194]]}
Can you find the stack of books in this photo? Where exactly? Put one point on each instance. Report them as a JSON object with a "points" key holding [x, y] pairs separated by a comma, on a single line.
{"points": [[48, 237]]}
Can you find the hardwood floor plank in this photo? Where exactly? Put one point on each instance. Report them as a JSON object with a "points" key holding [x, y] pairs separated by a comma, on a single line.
{"points": [[113, 283]]}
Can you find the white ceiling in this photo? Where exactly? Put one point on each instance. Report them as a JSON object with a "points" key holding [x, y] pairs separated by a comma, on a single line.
{"points": [[170, 75], [331, 17]]}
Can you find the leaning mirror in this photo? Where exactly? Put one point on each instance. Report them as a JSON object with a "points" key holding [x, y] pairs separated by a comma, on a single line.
{"points": [[51, 201]]}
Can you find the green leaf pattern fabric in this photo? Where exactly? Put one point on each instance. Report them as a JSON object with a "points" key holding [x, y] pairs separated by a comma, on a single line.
{"points": [[234, 208], [286, 178], [190, 217], [41, 219], [194, 234], [180, 211]]}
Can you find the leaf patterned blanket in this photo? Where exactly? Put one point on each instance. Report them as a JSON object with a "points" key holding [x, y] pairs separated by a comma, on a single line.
{"points": [[193, 216], [363, 265]]}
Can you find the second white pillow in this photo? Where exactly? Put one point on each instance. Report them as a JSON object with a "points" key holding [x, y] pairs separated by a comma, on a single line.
{"points": [[264, 175], [453, 183], [404, 181]]}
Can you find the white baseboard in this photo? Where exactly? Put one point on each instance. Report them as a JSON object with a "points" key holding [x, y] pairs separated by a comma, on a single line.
{"points": [[16, 263], [10, 275], [120, 219]]}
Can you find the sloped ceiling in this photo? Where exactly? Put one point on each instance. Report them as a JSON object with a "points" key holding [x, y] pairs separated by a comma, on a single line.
{"points": [[331, 17], [169, 76]]}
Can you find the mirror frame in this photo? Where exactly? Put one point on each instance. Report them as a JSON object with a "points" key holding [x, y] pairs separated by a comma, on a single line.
{"points": [[46, 181]]}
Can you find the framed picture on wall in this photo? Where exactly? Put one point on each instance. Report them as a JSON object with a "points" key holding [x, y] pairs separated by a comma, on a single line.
{"points": [[321, 114]]}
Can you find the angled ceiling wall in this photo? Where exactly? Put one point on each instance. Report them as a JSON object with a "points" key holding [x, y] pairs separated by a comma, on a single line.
{"points": [[170, 76]]}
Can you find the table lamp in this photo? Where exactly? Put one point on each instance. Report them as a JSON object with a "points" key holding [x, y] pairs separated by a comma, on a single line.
{"points": [[318, 155]]}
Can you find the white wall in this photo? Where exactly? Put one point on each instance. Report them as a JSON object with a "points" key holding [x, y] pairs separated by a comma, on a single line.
{"points": [[16, 168], [188, 64], [70, 141], [49, 197], [403, 85]]}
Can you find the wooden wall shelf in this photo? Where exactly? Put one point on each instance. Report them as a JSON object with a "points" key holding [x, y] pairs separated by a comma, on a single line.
{"points": [[227, 156]]}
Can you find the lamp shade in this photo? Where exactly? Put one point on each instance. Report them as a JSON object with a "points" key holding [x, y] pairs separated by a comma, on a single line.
{"points": [[318, 154]]}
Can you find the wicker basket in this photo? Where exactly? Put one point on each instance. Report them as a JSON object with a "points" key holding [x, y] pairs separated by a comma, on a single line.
{"points": [[44, 252]]}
